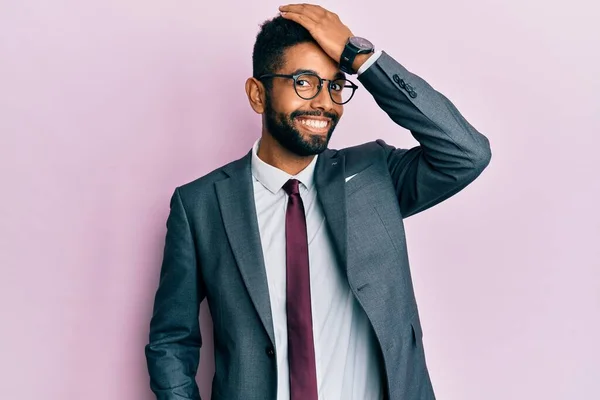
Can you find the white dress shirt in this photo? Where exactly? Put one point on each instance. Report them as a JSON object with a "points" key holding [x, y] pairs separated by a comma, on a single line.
{"points": [[345, 345], [368, 63]]}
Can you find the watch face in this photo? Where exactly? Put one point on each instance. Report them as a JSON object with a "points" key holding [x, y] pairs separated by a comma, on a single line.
{"points": [[361, 43]]}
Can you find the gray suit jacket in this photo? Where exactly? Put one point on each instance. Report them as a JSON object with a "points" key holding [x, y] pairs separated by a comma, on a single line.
{"points": [[213, 248]]}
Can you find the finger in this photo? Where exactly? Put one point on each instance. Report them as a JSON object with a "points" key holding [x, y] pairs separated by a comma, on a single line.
{"points": [[302, 19], [310, 10]]}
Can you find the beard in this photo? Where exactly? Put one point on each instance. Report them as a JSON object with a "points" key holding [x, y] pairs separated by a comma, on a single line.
{"points": [[282, 129]]}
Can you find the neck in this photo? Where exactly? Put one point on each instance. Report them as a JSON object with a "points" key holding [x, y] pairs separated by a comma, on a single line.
{"points": [[271, 152]]}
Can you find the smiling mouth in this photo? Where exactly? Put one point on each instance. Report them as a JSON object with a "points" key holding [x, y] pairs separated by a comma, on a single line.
{"points": [[314, 125]]}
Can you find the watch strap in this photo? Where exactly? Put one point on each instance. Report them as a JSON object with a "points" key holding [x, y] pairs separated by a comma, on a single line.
{"points": [[349, 54], [347, 58]]}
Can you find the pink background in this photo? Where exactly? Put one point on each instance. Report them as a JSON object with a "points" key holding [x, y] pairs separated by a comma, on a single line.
{"points": [[106, 106]]}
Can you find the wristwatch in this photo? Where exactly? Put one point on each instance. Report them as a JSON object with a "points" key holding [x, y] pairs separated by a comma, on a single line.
{"points": [[354, 46]]}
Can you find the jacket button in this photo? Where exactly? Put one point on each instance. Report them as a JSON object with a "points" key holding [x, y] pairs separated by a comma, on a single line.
{"points": [[413, 94], [270, 352], [409, 88], [399, 81]]}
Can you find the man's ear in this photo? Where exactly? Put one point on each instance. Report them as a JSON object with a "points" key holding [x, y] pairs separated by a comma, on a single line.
{"points": [[255, 91]]}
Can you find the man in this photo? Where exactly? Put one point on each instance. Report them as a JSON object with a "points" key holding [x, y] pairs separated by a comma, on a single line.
{"points": [[300, 249]]}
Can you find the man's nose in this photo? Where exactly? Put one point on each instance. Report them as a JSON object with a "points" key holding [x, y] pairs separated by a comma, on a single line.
{"points": [[323, 99]]}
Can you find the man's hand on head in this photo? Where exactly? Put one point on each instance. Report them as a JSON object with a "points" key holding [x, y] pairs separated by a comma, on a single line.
{"points": [[324, 26]]}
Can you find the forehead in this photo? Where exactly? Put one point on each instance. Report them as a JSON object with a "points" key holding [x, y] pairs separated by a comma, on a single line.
{"points": [[309, 56]]}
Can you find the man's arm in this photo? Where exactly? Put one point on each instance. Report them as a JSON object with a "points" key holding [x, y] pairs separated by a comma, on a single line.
{"points": [[173, 352], [451, 152]]}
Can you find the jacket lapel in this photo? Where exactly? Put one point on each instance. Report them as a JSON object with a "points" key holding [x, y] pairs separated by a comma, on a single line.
{"points": [[331, 191], [236, 200]]}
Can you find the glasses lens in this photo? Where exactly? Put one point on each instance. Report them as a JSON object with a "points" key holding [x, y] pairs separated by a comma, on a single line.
{"points": [[307, 86], [341, 91]]}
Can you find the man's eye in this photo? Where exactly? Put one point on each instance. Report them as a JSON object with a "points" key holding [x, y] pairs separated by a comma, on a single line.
{"points": [[302, 82], [336, 86]]}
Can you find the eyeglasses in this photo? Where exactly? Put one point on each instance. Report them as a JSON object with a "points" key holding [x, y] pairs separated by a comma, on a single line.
{"points": [[308, 85]]}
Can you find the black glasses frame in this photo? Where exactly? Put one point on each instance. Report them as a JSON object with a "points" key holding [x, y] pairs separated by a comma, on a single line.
{"points": [[321, 80]]}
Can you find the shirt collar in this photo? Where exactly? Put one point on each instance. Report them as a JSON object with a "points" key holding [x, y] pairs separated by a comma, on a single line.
{"points": [[273, 178]]}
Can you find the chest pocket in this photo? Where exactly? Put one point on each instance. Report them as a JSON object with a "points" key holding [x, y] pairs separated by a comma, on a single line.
{"points": [[366, 178]]}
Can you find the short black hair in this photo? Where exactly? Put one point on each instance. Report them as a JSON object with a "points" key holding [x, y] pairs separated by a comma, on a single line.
{"points": [[275, 36]]}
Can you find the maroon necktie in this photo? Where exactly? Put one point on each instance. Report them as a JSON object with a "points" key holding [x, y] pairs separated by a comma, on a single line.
{"points": [[301, 351]]}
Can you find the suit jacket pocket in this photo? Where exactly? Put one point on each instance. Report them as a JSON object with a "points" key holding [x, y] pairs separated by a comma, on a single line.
{"points": [[364, 178]]}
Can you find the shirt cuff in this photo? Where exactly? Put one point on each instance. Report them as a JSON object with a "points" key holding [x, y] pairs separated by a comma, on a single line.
{"points": [[369, 62]]}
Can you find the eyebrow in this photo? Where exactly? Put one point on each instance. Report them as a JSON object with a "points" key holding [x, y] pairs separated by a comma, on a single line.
{"points": [[338, 75]]}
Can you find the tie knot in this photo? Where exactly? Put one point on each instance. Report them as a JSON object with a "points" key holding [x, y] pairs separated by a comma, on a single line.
{"points": [[291, 187]]}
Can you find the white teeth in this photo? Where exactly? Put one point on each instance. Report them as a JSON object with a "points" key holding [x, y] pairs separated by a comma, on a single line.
{"points": [[314, 123]]}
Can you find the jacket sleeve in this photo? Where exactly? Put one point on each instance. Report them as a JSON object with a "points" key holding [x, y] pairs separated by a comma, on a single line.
{"points": [[451, 153], [173, 351]]}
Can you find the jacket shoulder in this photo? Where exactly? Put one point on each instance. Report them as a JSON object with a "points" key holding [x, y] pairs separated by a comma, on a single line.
{"points": [[203, 185], [367, 152]]}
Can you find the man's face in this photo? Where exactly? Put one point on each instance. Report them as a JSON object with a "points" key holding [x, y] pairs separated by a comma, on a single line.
{"points": [[303, 127]]}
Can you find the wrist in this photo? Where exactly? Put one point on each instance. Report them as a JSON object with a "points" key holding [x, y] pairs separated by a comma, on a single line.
{"points": [[360, 60], [357, 51]]}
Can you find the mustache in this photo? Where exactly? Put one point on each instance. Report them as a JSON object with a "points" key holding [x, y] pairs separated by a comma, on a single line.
{"points": [[333, 116]]}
